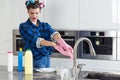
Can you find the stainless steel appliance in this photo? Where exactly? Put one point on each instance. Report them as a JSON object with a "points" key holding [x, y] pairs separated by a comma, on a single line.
{"points": [[69, 36], [118, 45], [17, 41], [104, 43]]}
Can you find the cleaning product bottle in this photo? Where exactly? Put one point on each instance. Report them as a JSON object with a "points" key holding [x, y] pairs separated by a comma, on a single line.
{"points": [[20, 60], [10, 61], [28, 62]]}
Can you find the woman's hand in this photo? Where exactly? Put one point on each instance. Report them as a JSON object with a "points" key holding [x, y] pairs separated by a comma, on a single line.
{"points": [[54, 44], [65, 46], [64, 52], [62, 46]]}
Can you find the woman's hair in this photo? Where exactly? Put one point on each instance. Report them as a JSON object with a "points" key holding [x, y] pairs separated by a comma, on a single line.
{"points": [[33, 5]]}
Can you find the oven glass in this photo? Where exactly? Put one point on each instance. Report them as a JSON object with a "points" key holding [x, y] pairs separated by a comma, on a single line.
{"points": [[69, 40], [19, 44], [102, 45]]}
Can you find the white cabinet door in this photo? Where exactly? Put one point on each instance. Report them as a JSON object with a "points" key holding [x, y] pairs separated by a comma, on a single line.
{"points": [[97, 14], [119, 15], [62, 14]]}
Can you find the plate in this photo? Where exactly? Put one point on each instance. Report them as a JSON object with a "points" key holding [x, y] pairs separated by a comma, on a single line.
{"points": [[46, 70]]}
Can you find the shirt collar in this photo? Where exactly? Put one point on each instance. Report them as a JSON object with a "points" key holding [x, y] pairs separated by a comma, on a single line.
{"points": [[29, 22]]}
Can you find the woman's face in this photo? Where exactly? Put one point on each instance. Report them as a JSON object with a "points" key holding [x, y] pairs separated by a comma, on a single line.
{"points": [[33, 14]]}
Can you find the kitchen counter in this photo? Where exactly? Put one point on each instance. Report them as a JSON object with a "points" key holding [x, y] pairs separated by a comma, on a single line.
{"points": [[84, 75], [17, 75]]}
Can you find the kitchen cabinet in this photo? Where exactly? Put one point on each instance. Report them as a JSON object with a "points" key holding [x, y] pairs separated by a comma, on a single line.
{"points": [[98, 14], [118, 18], [62, 14]]}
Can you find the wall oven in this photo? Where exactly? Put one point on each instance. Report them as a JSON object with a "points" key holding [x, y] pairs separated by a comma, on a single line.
{"points": [[17, 41], [69, 36], [104, 43]]}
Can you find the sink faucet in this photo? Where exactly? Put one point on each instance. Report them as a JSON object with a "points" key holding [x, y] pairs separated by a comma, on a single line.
{"points": [[92, 52]]}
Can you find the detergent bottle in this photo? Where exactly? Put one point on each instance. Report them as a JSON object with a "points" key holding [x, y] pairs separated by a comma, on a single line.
{"points": [[28, 62], [10, 61], [20, 60]]}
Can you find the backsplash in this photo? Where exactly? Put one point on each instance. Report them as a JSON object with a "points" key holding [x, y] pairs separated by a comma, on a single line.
{"points": [[91, 65]]}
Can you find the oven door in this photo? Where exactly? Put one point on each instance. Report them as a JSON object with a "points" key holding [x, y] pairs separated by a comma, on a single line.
{"points": [[104, 43], [17, 44]]}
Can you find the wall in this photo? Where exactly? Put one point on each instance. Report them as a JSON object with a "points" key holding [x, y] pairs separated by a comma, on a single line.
{"points": [[6, 26]]}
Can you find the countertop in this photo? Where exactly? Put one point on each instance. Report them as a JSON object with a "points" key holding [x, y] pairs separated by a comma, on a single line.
{"points": [[17, 75]]}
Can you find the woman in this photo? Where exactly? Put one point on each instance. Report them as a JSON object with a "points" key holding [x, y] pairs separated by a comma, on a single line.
{"points": [[40, 37]]}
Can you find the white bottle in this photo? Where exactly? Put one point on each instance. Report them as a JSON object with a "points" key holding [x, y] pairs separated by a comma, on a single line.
{"points": [[28, 62], [10, 61]]}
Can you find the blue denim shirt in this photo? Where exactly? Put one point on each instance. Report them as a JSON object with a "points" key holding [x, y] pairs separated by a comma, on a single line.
{"points": [[30, 33]]}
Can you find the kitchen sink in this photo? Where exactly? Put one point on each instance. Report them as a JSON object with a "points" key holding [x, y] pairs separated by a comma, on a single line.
{"points": [[94, 75]]}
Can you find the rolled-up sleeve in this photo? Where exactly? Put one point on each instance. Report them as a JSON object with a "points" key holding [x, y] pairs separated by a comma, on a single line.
{"points": [[38, 42], [53, 34]]}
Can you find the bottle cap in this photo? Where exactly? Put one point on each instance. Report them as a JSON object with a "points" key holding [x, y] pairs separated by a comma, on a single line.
{"points": [[28, 49], [20, 49]]}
